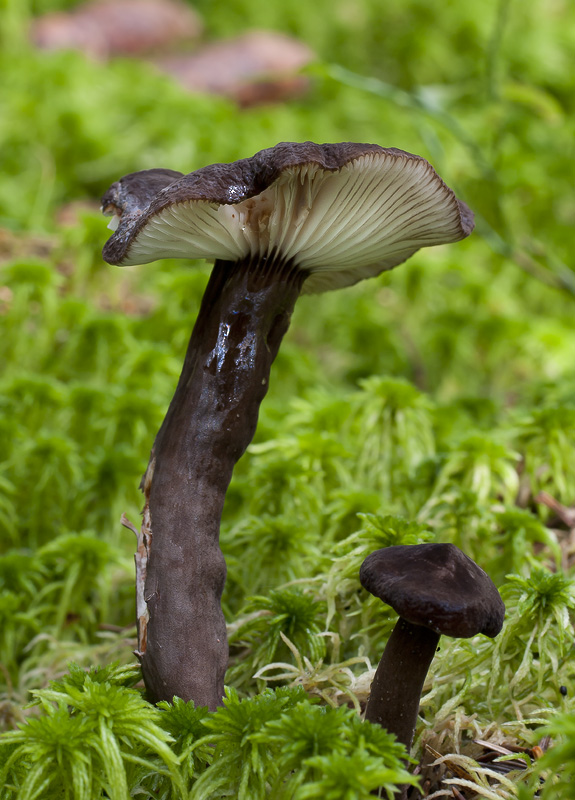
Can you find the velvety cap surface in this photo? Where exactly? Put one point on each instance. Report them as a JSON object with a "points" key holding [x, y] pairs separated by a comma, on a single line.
{"points": [[340, 212], [437, 586]]}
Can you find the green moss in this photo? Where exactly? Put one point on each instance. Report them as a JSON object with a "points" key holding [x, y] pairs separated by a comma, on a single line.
{"points": [[433, 403]]}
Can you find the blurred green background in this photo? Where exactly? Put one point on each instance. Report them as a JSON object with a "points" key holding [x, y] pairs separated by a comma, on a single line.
{"points": [[441, 392]]}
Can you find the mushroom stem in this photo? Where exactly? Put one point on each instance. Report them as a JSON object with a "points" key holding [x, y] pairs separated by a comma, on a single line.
{"points": [[396, 689], [211, 420]]}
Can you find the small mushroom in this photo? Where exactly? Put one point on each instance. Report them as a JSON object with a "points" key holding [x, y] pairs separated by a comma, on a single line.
{"points": [[436, 590], [293, 218]]}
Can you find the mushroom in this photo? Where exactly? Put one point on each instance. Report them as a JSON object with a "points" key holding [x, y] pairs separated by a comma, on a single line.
{"points": [[294, 218], [436, 590]]}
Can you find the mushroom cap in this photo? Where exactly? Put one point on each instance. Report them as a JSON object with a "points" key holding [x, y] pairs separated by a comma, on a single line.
{"points": [[436, 586], [339, 212]]}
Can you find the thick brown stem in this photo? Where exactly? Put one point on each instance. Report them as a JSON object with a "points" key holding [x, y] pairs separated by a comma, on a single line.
{"points": [[396, 689], [211, 420]]}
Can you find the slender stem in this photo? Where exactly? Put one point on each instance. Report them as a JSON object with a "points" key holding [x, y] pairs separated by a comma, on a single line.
{"points": [[398, 682], [211, 420]]}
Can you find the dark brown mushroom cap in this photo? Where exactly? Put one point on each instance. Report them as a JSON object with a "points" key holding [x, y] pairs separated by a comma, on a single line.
{"points": [[134, 193], [437, 586], [339, 212]]}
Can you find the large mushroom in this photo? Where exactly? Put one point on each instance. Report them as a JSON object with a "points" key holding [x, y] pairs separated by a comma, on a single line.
{"points": [[294, 218], [437, 591]]}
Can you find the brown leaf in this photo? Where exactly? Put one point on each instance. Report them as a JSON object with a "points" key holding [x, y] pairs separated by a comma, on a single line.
{"points": [[104, 28], [256, 67]]}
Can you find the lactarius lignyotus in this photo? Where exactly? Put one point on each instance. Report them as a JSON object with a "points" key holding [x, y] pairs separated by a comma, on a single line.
{"points": [[294, 218], [437, 591]]}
